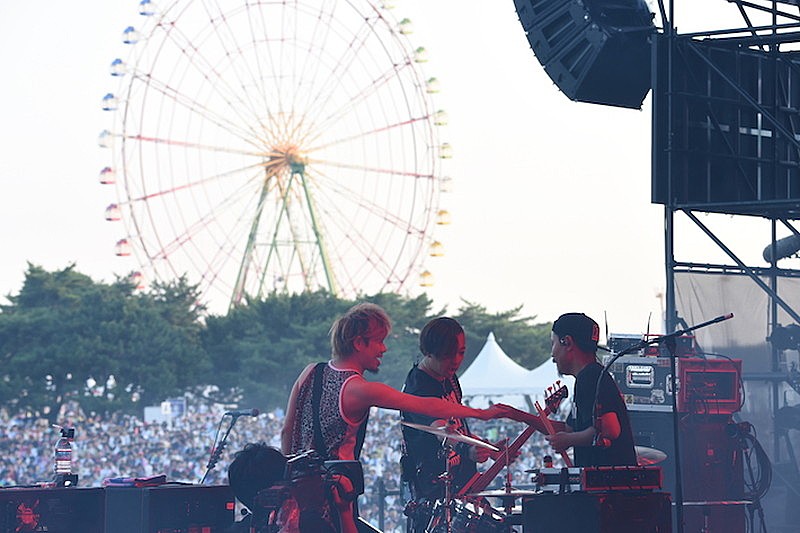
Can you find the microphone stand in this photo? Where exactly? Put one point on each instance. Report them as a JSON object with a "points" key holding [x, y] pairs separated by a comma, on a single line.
{"points": [[669, 341], [216, 450]]}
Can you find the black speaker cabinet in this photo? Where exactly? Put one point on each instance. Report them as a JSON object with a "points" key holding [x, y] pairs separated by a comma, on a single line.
{"points": [[55, 510], [713, 475], [653, 429], [607, 512], [595, 51], [169, 509]]}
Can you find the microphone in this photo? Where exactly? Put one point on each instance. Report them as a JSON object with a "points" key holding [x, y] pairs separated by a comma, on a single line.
{"points": [[722, 318], [243, 412]]}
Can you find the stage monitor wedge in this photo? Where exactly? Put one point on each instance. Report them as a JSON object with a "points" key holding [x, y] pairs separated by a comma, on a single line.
{"points": [[595, 51]]}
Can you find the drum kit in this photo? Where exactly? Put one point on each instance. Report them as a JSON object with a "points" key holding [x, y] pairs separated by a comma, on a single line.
{"points": [[469, 513]]}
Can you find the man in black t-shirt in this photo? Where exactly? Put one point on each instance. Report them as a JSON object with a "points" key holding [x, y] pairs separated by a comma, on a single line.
{"points": [[442, 345], [598, 428]]}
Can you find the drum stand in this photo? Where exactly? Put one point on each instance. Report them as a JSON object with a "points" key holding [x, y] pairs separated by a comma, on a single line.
{"points": [[509, 502], [447, 479]]}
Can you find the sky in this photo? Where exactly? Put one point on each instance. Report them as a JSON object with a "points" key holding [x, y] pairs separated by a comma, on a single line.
{"points": [[551, 198]]}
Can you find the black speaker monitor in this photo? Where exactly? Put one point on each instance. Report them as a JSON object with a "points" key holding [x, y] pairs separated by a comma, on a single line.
{"points": [[176, 508], [55, 510]]}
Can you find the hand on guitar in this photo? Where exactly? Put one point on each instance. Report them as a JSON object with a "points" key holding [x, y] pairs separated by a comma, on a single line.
{"points": [[552, 400], [560, 440], [480, 455]]}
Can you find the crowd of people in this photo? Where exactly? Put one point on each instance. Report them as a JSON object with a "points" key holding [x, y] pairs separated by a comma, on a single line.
{"points": [[121, 445]]}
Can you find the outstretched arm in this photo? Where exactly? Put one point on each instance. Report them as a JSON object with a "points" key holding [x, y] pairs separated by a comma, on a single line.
{"points": [[359, 395]]}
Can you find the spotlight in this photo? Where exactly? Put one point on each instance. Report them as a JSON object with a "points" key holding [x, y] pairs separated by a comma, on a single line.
{"points": [[785, 337], [786, 247]]}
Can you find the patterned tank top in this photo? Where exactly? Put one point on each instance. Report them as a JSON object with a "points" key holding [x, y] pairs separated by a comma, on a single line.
{"points": [[338, 433]]}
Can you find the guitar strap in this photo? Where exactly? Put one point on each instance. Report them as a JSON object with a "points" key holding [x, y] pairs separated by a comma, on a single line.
{"points": [[319, 442]]}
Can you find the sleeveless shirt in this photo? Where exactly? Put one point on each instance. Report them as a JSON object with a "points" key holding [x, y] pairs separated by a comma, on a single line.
{"points": [[338, 432]]}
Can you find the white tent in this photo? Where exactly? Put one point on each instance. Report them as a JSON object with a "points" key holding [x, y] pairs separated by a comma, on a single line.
{"points": [[493, 373], [494, 376]]}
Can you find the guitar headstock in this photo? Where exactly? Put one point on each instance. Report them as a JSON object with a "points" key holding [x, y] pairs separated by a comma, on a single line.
{"points": [[555, 394]]}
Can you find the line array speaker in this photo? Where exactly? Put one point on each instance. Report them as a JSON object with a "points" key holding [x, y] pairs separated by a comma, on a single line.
{"points": [[595, 51]]}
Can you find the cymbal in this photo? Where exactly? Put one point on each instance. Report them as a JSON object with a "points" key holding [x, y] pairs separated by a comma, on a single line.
{"points": [[648, 456], [451, 434], [502, 493]]}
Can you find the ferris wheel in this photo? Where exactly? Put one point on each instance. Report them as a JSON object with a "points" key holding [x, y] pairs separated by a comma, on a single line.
{"points": [[264, 146]]}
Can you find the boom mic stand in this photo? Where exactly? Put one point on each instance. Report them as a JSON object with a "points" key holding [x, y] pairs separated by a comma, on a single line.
{"points": [[217, 449], [668, 341]]}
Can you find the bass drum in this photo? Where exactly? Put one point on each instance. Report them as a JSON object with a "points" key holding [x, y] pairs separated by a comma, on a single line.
{"points": [[465, 518]]}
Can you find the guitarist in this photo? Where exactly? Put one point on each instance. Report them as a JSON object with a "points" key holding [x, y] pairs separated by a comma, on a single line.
{"points": [[599, 433], [442, 345]]}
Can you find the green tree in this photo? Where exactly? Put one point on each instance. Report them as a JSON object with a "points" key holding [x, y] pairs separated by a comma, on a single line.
{"points": [[521, 337], [258, 348], [64, 337]]}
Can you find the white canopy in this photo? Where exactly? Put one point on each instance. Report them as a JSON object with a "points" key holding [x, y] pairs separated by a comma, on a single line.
{"points": [[493, 373], [494, 377], [545, 375]]}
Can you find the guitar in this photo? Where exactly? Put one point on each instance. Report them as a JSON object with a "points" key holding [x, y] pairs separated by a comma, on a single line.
{"points": [[551, 431], [480, 481]]}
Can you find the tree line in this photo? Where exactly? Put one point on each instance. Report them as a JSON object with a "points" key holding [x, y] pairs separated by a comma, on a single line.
{"points": [[110, 347]]}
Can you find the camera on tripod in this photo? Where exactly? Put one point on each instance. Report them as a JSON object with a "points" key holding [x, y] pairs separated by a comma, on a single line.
{"points": [[309, 479], [309, 464]]}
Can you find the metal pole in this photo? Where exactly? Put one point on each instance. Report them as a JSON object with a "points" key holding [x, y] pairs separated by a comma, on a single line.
{"points": [[381, 503]]}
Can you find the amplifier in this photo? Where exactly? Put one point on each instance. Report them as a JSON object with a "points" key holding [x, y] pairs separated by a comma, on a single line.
{"points": [[709, 386], [593, 479], [604, 478], [596, 512], [169, 509], [684, 346], [55, 510], [645, 382], [617, 342]]}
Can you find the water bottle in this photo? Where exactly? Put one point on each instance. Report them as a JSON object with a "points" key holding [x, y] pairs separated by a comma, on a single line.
{"points": [[64, 452]]}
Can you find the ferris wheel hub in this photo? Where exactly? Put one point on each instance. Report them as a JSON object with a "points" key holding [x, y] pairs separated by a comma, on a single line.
{"points": [[286, 158]]}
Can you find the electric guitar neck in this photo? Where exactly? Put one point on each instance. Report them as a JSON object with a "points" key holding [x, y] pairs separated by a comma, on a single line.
{"points": [[480, 481]]}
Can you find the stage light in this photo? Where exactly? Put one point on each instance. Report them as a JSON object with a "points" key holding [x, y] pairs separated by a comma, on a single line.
{"points": [[786, 247], [785, 337]]}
